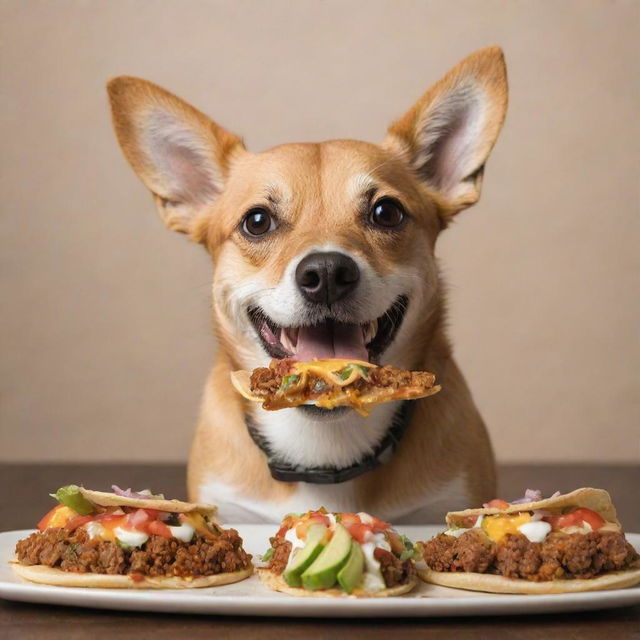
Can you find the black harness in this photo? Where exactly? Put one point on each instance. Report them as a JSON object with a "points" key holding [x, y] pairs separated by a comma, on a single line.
{"points": [[285, 472]]}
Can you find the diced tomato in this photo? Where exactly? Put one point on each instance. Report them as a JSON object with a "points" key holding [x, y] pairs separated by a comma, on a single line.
{"points": [[153, 514], [157, 528], [496, 503], [311, 518], [139, 519], [359, 531], [379, 525], [395, 542], [576, 519], [347, 519], [78, 521], [317, 517], [109, 517], [111, 520], [379, 553], [44, 523]]}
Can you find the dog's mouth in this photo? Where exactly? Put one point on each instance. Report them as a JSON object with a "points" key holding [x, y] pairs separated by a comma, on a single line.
{"points": [[331, 338]]}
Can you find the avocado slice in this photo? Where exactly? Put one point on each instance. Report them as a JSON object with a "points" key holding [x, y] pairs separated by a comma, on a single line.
{"points": [[350, 576], [305, 556], [323, 572]]}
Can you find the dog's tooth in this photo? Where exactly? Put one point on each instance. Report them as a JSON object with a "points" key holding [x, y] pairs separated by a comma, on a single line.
{"points": [[286, 340], [369, 331]]}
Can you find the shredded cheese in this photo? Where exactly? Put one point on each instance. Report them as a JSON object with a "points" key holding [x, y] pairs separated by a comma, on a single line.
{"points": [[327, 369]]}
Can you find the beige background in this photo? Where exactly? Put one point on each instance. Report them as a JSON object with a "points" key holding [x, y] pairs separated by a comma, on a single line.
{"points": [[104, 323]]}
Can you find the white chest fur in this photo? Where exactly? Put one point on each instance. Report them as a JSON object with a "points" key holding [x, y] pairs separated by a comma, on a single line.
{"points": [[301, 440]]}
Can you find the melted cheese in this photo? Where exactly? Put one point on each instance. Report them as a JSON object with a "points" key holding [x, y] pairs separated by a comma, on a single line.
{"points": [[498, 526], [60, 517], [327, 368]]}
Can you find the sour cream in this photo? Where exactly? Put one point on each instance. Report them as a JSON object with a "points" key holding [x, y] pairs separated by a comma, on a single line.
{"points": [[183, 532], [94, 529], [535, 531], [372, 579], [130, 538], [292, 537]]}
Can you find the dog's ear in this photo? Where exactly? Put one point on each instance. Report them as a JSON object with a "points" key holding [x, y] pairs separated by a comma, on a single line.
{"points": [[448, 134], [181, 155]]}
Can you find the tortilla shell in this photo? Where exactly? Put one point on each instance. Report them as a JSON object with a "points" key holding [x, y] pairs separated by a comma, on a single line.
{"points": [[241, 382], [499, 584], [57, 577], [104, 499], [597, 500], [277, 583]]}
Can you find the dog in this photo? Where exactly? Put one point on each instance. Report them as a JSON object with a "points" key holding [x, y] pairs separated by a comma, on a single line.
{"points": [[323, 250]]}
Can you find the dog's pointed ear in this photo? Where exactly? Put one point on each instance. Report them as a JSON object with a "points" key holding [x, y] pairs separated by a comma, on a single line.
{"points": [[448, 134], [181, 155]]}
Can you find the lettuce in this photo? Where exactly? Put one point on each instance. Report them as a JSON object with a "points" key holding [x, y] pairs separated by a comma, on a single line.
{"points": [[71, 497]]}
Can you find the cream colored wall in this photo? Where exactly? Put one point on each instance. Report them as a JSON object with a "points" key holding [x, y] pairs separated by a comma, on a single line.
{"points": [[104, 324]]}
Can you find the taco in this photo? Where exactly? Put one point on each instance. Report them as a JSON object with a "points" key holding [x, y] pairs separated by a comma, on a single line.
{"points": [[130, 540], [562, 544], [331, 383], [322, 554]]}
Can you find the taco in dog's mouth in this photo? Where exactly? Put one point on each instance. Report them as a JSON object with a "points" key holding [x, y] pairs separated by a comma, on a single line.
{"points": [[562, 544], [330, 383], [338, 554], [130, 539]]}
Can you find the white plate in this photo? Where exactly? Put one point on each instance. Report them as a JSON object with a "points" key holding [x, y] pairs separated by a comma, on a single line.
{"points": [[251, 598]]}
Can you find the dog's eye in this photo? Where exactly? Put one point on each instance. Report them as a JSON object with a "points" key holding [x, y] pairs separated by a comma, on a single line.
{"points": [[257, 222], [387, 213]]}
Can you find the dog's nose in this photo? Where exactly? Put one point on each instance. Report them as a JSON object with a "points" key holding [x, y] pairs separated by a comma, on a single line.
{"points": [[327, 277]]}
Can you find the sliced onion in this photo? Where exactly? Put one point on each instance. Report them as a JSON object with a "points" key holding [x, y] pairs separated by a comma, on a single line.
{"points": [[530, 495], [533, 495], [127, 493]]}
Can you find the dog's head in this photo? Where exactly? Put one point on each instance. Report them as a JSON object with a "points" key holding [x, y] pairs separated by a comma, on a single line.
{"points": [[327, 249]]}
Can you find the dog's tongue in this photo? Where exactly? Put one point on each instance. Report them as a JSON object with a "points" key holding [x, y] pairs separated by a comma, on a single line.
{"points": [[331, 340]]}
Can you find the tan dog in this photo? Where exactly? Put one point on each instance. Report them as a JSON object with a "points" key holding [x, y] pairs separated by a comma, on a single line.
{"points": [[321, 250]]}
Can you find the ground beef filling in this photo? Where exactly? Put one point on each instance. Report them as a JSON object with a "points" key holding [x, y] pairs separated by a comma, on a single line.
{"points": [[559, 556], [393, 570], [158, 556], [266, 381], [280, 557]]}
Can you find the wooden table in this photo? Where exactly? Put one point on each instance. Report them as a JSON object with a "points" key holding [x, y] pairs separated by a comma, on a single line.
{"points": [[23, 500]]}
